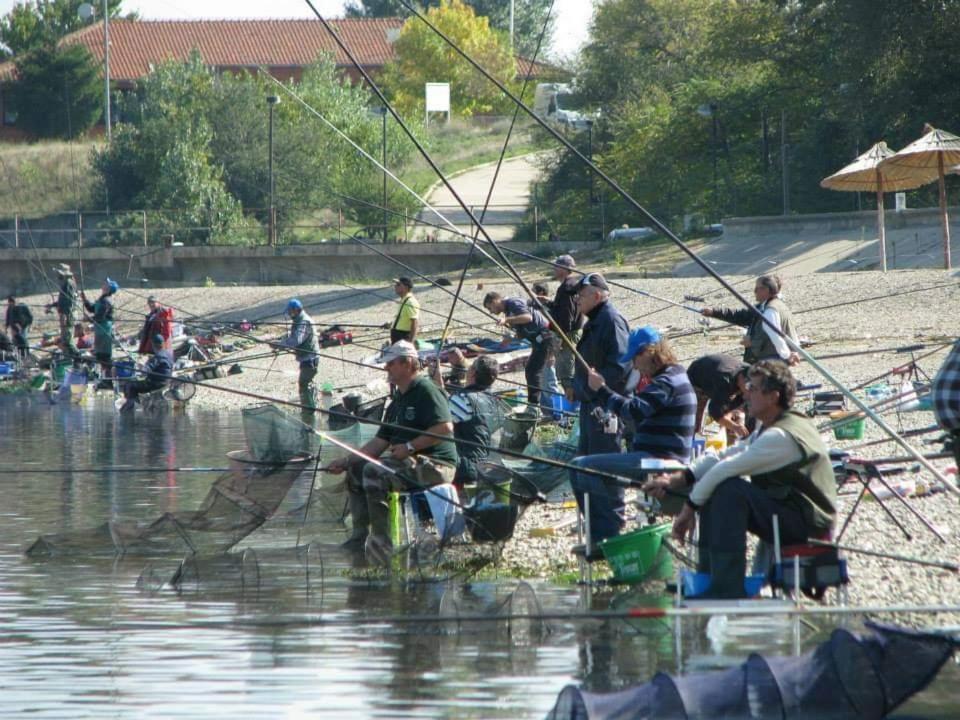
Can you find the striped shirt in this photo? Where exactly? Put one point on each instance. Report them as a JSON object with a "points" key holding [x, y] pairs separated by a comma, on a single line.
{"points": [[664, 412], [946, 391]]}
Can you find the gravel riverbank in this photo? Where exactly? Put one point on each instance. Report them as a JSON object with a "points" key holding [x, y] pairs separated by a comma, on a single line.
{"points": [[834, 311]]}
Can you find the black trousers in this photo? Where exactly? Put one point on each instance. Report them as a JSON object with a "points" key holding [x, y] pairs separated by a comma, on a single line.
{"points": [[396, 335], [141, 387], [736, 507], [534, 368]]}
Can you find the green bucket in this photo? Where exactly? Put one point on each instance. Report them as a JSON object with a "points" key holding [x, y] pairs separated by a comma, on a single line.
{"points": [[492, 477], [637, 555], [60, 369]]}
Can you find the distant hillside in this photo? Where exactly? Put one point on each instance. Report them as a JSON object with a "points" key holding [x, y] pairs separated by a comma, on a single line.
{"points": [[44, 178]]}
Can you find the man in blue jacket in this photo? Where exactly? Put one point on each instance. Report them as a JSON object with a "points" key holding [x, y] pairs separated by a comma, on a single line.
{"points": [[664, 413]]}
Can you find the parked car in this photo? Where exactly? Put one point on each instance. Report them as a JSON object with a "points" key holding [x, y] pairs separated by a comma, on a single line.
{"points": [[629, 233]]}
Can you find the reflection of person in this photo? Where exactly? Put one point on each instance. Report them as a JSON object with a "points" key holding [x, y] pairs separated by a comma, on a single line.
{"points": [[946, 398], [18, 321], [763, 340], [303, 339], [102, 311], [156, 373], [529, 324], [790, 477], [159, 321], [407, 322], [411, 459], [663, 413], [565, 310], [472, 408], [719, 381], [66, 305]]}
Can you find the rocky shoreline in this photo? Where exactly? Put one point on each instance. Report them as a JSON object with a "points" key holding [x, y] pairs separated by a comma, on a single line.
{"points": [[841, 314]]}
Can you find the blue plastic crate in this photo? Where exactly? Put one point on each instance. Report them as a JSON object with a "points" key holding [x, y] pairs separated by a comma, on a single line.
{"points": [[695, 584]]}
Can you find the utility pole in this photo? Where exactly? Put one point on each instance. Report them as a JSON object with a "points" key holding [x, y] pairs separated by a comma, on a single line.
{"points": [[785, 162], [511, 25], [272, 101]]}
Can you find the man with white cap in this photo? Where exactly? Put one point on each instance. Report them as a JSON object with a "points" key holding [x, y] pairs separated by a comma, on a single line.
{"points": [[567, 317], [66, 305], [302, 338], [403, 456]]}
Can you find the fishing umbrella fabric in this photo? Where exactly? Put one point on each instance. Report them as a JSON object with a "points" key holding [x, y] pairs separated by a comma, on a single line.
{"points": [[849, 677], [924, 160], [865, 175]]}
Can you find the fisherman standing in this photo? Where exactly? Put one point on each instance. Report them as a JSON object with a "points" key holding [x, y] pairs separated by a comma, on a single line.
{"points": [[66, 305], [764, 339], [407, 322], [530, 325], [565, 310], [302, 338], [605, 340], [102, 311], [18, 321], [159, 321], [404, 455]]}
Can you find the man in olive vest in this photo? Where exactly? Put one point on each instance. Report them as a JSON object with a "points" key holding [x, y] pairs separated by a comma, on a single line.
{"points": [[763, 339], [790, 477]]}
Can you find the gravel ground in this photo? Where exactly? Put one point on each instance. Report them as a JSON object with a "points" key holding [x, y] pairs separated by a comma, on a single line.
{"points": [[920, 315]]}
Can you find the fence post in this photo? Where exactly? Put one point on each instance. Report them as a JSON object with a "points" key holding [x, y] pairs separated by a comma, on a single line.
{"points": [[406, 220], [144, 227], [16, 231], [536, 223], [339, 224], [79, 229]]}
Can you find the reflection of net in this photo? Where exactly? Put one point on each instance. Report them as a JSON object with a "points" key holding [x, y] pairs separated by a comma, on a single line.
{"points": [[239, 502], [466, 611], [541, 477]]}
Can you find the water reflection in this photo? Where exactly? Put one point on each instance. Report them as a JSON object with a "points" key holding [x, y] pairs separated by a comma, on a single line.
{"points": [[266, 633]]}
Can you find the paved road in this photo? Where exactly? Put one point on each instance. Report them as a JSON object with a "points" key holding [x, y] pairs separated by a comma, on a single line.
{"points": [[507, 206]]}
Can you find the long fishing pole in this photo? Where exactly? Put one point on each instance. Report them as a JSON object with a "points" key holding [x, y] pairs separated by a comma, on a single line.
{"points": [[952, 567], [629, 199]]}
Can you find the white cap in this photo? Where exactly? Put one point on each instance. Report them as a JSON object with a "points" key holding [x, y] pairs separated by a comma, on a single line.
{"points": [[401, 348]]}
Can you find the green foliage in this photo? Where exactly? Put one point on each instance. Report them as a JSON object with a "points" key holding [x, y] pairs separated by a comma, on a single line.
{"points": [[421, 57], [31, 25], [529, 17], [164, 160], [828, 77], [58, 92]]}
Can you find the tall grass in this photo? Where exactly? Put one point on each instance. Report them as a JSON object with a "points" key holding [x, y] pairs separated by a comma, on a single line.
{"points": [[45, 178]]}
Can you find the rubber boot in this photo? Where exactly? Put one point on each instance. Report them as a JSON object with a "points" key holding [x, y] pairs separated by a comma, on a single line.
{"points": [[379, 547], [360, 518], [726, 576]]}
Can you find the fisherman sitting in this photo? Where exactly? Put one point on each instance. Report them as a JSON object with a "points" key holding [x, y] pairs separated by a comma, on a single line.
{"points": [[413, 458], [157, 373], [790, 477], [663, 413], [473, 408]]}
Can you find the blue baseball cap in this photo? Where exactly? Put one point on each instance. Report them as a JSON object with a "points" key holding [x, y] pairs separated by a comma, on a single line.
{"points": [[294, 304], [640, 338], [113, 285]]}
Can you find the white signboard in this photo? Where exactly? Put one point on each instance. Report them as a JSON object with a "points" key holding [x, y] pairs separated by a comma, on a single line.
{"points": [[437, 98], [901, 201]]}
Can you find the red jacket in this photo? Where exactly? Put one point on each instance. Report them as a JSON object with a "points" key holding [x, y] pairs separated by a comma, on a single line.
{"points": [[159, 321]]}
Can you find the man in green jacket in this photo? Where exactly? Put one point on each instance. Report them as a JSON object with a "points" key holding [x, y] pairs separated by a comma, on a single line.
{"points": [[790, 477]]}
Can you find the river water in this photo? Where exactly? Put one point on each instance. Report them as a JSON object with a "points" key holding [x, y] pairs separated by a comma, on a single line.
{"points": [[276, 634]]}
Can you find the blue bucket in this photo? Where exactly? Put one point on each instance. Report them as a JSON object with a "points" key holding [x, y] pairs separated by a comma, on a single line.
{"points": [[695, 584], [6, 368], [125, 369]]}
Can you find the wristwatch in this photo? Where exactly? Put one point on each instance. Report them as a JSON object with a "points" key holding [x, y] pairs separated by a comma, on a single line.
{"points": [[410, 448]]}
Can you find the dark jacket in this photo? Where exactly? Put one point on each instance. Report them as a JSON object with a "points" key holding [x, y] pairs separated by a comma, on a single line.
{"points": [[19, 314], [604, 341], [565, 309]]}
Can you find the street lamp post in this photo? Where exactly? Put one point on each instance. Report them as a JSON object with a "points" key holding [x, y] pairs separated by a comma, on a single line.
{"points": [[86, 11], [710, 111], [272, 101], [382, 112]]}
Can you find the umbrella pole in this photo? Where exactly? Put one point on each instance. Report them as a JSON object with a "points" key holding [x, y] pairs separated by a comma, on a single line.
{"points": [[881, 222], [943, 214]]}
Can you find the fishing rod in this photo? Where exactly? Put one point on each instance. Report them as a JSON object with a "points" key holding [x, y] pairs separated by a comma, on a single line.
{"points": [[902, 369], [906, 433], [952, 567], [794, 346], [112, 469]]}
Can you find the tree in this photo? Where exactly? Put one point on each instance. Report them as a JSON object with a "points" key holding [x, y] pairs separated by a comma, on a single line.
{"points": [[421, 57], [30, 25], [57, 93], [529, 17]]}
